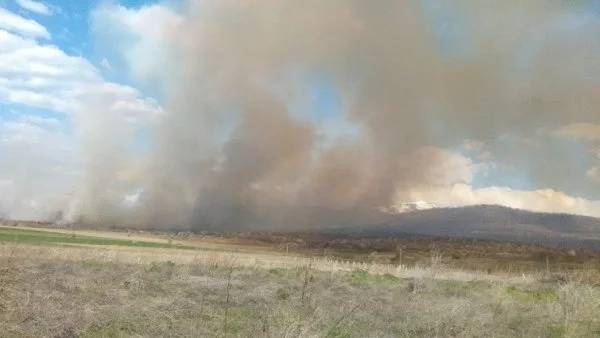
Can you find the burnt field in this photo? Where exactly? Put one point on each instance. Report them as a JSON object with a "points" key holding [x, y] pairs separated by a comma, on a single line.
{"points": [[463, 253]]}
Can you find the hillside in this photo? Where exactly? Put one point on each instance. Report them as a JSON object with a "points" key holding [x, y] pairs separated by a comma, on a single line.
{"points": [[489, 222]]}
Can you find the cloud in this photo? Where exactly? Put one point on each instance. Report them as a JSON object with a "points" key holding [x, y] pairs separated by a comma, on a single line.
{"points": [[451, 185], [10, 42], [45, 122], [35, 6], [59, 101], [473, 145], [14, 23], [593, 174], [39, 161], [541, 200], [105, 64], [454, 188], [590, 133], [137, 33], [583, 131], [44, 76]]}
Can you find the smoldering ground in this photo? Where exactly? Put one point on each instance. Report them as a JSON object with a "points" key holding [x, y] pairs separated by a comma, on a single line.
{"points": [[236, 147]]}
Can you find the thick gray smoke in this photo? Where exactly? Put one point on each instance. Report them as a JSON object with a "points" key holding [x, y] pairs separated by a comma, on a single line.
{"points": [[232, 152]]}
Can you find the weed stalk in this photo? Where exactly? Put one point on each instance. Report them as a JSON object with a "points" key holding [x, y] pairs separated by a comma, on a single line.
{"points": [[227, 301]]}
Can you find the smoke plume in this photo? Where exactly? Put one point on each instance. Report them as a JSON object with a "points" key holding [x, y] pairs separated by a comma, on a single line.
{"points": [[235, 147]]}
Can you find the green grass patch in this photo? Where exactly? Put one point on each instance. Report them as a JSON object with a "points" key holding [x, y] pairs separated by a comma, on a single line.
{"points": [[48, 237], [283, 294], [339, 331], [544, 295], [359, 276], [387, 279], [94, 264], [112, 330], [278, 272], [461, 289], [557, 331], [165, 268], [242, 320]]}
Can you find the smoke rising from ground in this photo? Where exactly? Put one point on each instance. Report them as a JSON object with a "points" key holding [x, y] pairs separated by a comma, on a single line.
{"points": [[234, 148]]}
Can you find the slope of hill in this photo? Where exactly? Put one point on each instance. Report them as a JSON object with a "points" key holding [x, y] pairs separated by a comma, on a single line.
{"points": [[489, 222]]}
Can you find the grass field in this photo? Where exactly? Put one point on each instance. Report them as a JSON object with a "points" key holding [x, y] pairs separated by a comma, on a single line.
{"points": [[16, 235], [89, 286]]}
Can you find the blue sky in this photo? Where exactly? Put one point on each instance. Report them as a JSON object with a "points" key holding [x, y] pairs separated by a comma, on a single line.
{"points": [[53, 57]]}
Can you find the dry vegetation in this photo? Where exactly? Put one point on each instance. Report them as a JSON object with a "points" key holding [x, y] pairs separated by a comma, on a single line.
{"points": [[459, 253], [148, 292]]}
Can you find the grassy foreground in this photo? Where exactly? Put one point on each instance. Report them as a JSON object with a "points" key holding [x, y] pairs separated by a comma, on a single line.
{"points": [[83, 292]]}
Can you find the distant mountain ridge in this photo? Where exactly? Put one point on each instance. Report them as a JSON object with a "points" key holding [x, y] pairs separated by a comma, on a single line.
{"points": [[487, 222]]}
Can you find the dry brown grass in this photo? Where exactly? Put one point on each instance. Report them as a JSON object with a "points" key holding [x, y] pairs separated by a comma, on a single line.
{"points": [[105, 292], [474, 254]]}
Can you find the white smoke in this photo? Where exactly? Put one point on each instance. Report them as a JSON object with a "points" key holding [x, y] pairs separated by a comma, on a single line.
{"points": [[229, 151]]}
